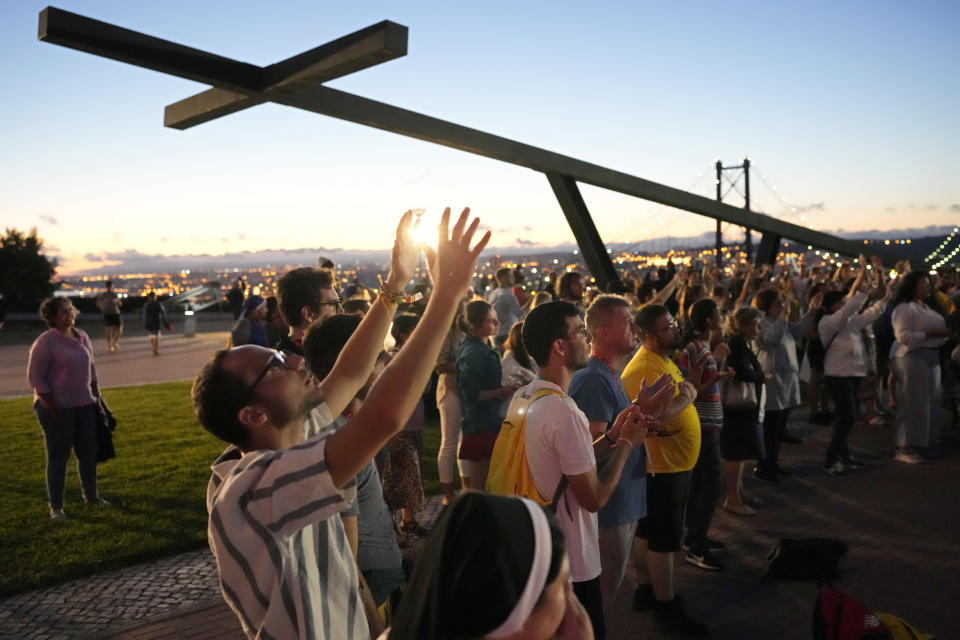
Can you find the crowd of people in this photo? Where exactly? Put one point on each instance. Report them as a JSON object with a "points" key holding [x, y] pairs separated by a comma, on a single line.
{"points": [[643, 408]]}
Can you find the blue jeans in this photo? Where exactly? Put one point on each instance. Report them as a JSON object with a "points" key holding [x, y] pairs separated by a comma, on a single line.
{"points": [[77, 430], [844, 393]]}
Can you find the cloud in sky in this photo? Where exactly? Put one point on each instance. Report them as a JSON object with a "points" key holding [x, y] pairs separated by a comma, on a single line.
{"points": [[955, 208], [815, 206], [49, 220], [930, 207], [524, 243]]}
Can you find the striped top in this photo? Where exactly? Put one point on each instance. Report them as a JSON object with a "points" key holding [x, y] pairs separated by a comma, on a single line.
{"points": [[695, 356], [285, 566]]}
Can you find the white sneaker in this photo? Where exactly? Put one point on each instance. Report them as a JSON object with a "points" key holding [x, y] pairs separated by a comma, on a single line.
{"points": [[57, 514]]}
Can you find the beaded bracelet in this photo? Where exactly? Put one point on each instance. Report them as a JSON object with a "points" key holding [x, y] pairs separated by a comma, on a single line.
{"points": [[396, 297]]}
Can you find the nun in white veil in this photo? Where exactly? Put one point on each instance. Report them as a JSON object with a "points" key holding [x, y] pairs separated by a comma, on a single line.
{"points": [[493, 567]]}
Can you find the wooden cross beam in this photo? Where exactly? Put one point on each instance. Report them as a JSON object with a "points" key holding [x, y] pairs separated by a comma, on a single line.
{"points": [[297, 82]]}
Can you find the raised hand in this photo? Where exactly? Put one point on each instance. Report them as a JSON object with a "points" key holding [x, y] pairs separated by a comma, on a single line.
{"points": [[689, 390], [721, 351], [453, 263], [726, 374], [631, 424], [653, 399], [816, 301], [403, 260]]}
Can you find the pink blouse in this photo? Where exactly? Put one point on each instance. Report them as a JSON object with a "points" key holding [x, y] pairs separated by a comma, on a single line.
{"points": [[63, 367]]}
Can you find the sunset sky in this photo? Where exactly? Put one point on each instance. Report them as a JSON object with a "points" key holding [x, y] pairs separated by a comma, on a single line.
{"points": [[849, 109]]}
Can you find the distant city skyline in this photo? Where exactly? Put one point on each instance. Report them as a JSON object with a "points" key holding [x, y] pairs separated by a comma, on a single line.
{"points": [[135, 262], [847, 111]]}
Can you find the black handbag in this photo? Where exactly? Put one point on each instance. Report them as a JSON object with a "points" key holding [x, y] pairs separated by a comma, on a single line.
{"points": [[106, 424]]}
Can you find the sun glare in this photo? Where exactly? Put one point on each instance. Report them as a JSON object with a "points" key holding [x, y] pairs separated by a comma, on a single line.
{"points": [[422, 232]]}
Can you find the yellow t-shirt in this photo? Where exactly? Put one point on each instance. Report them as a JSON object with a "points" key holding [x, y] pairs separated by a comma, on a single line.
{"points": [[674, 453]]}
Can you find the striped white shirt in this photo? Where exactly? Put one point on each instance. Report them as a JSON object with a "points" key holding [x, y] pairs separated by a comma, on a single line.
{"points": [[285, 566]]}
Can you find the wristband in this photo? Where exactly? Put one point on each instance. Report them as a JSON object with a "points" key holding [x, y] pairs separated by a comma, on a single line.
{"points": [[606, 436], [396, 297], [622, 439]]}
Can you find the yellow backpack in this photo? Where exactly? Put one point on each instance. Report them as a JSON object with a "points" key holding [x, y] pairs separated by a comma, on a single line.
{"points": [[900, 629], [509, 473]]}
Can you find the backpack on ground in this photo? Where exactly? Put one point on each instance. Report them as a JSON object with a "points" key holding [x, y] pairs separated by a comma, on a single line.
{"points": [[900, 629], [806, 558], [839, 616], [509, 473]]}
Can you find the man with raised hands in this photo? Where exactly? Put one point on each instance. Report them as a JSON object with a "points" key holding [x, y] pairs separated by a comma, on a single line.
{"points": [[283, 558]]}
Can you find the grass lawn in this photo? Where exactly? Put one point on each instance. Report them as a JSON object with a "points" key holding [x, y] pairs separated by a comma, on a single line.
{"points": [[156, 484]]}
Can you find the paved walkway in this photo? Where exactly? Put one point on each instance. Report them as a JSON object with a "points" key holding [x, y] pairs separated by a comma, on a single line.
{"points": [[180, 358], [902, 524]]}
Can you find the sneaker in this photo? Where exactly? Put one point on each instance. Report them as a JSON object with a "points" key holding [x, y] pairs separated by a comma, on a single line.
{"points": [[57, 514], [765, 475], [670, 617], [909, 457], [837, 470], [704, 560], [739, 509], [854, 463], [791, 439], [97, 502]]}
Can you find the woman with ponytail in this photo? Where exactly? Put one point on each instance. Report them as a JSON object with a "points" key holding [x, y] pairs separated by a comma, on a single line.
{"points": [[481, 392]]}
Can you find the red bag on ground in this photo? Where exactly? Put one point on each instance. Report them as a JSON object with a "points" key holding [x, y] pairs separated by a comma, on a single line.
{"points": [[839, 616]]}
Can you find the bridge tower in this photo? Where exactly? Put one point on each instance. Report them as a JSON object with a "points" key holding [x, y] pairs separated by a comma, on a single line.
{"points": [[743, 172]]}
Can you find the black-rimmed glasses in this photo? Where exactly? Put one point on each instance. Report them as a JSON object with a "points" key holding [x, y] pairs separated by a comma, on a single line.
{"points": [[277, 359], [336, 303]]}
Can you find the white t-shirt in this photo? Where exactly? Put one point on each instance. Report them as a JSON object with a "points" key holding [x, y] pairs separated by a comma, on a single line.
{"points": [[558, 443]]}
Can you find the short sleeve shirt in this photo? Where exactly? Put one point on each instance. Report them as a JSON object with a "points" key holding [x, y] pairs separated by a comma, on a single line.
{"points": [[478, 369], [558, 443], [673, 453], [601, 397], [285, 565]]}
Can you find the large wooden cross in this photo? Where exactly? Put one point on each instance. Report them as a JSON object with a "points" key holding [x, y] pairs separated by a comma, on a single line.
{"points": [[298, 82]]}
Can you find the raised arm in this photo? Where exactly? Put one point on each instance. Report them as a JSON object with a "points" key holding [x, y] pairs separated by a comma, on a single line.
{"points": [[664, 294], [359, 355], [394, 396]]}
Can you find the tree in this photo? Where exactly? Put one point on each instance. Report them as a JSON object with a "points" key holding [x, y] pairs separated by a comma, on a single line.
{"points": [[25, 273]]}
